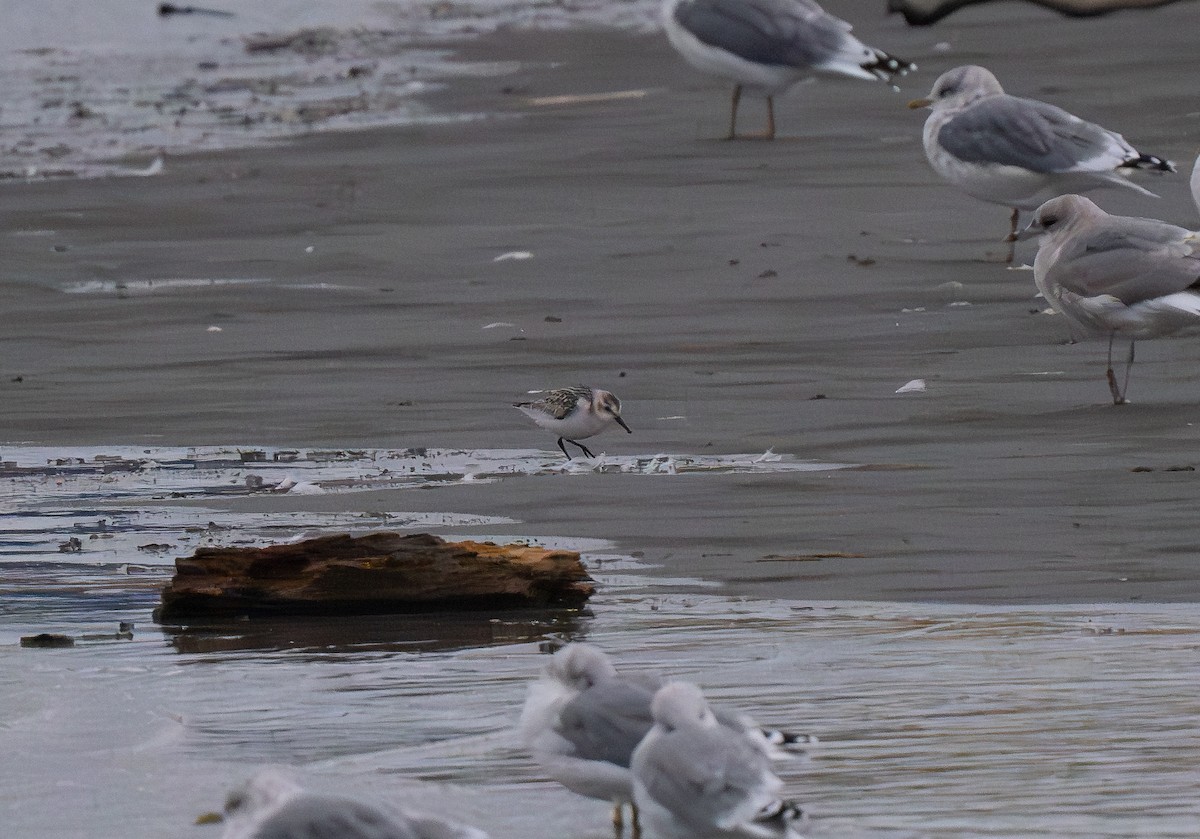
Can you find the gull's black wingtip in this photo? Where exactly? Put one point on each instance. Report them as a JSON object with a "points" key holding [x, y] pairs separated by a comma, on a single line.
{"points": [[887, 67]]}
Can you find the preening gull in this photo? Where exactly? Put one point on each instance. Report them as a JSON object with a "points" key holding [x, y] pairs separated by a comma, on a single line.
{"points": [[273, 806], [694, 778], [768, 45], [1110, 275], [582, 721], [1020, 152]]}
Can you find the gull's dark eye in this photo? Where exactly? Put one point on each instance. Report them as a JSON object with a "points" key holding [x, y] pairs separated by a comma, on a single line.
{"points": [[1049, 221], [948, 90]]}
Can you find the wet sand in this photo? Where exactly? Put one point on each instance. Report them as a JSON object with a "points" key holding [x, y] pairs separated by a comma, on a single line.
{"points": [[716, 287]]}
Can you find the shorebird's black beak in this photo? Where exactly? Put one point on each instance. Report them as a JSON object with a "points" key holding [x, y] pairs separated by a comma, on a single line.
{"points": [[621, 423]]}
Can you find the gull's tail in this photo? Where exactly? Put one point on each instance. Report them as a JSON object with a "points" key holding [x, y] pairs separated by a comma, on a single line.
{"points": [[886, 67], [1149, 162]]}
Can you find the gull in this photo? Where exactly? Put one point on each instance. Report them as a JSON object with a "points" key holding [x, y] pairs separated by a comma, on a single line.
{"points": [[1110, 275], [767, 46], [582, 721], [1196, 183], [694, 778], [574, 413], [1020, 152], [272, 806]]}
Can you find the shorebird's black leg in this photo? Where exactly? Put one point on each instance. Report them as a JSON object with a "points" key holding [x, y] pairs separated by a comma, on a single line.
{"points": [[586, 451], [564, 448], [770, 135]]}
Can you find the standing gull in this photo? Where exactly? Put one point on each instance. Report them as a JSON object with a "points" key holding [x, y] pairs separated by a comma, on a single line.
{"points": [[693, 778], [1196, 183], [272, 806], [574, 413], [1112, 274], [582, 720], [1020, 152], [769, 45]]}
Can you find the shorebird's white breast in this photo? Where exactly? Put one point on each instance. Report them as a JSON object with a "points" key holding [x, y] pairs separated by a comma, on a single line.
{"points": [[580, 423]]}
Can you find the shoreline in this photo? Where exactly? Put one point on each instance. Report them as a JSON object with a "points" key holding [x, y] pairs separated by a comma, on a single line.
{"points": [[717, 288]]}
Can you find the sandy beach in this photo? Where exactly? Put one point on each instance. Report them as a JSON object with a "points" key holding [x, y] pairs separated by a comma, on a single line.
{"points": [[979, 596], [739, 297]]}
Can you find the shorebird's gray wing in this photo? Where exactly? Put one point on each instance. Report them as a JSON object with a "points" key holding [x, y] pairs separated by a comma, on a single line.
{"points": [[607, 721], [557, 403], [714, 781], [788, 33], [1131, 259], [324, 817], [1011, 131]]}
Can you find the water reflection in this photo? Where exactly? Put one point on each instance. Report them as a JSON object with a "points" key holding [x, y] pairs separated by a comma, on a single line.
{"points": [[413, 633], [939, 721]]}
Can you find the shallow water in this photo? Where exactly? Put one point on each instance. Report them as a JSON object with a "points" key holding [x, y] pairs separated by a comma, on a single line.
{"points": [[933, 720], [121, 504], [107, 89]]}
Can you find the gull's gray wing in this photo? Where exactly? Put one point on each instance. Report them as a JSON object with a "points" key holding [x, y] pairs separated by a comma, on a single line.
{"points": [[1011, 131], [328, 817], [607, 721], [789, 33], [717, 779], [1131, 259]]}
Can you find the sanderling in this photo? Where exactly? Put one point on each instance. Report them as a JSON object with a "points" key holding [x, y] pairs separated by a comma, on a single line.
{"points": [[272, 806], [769, 45], [694, 778], [574, 413], [1112, 274], [1020, 152], [582, 720]]}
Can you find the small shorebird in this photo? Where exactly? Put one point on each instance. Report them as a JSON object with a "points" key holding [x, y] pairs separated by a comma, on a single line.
{"points": [[694, 778], [574, 413], [1020, 152], [582, 720], [768, 45], [1112, 274]]}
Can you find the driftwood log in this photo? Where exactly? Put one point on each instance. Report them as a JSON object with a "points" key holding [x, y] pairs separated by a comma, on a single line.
{"points": [[925, 12], [380, 573]]}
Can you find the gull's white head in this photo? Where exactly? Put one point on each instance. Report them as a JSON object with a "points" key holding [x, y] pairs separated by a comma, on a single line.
{"points": [[606, 405], [956, 89], [681, 705], [1058, 216], [257, 799], [580, 666]]}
